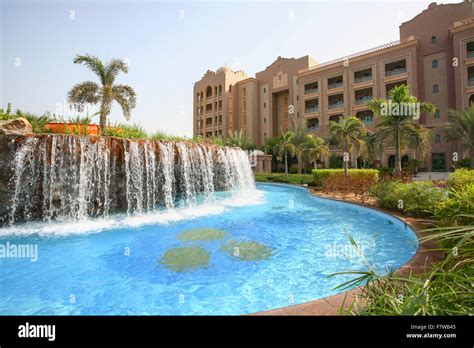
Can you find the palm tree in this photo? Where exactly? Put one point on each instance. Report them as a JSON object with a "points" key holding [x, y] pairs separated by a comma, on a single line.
{"points": [[238, 138], [349, 133], [89, 92], [397, 124], [287, 147], [462, 128], [316, 149]]}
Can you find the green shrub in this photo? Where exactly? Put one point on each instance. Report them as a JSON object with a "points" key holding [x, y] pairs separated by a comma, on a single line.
{"points": [[126, 131], [465, 163], [287, 179], [417, 199], [459, 202], [321, 174], [335, 161], [461, 177]]}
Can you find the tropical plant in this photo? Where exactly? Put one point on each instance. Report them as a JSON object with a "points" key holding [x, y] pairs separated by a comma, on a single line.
{"points": [[107, 92], [126, 131], [287, 147], [238, 138], [316, 149], [349, 134], [300, 141], [461, 127], [396, 127]]}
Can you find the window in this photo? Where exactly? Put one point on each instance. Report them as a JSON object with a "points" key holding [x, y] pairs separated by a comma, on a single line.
{"points": [[264, 105], [264, 120], [437, 139], [264, 90], [435, 89], [297, 98], [436, 114], [433, 39], [434, 64]]}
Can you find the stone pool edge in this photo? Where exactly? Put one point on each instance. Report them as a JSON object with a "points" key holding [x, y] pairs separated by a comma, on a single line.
{"points": [[330, 306]]}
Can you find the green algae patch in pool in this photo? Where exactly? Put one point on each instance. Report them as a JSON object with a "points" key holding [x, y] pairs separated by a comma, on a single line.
{"points": [[201, 234], [247, 251], [185, 258]]}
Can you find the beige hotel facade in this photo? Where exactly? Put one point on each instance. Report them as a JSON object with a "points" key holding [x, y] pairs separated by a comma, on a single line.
{"points": [[434, 57]]}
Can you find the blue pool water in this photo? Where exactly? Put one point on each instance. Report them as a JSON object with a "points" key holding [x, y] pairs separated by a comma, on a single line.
{"points": [[110, 267]]}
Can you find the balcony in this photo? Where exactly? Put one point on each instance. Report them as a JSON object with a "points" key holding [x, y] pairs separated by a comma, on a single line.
{"points": [[363, 79], [335, 85], [311, 90], [470, 54], [470, 82], [311, 109], [312, 129], [395, 72], [363, 100], [338, 104]]}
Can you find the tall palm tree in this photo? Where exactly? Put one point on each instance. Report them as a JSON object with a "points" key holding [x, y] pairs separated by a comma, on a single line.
{"points": [[316, 149], [462, 128], [287, 147], [349, 134], [299, 141], [397, 124], [238, 138], [106, 92]]}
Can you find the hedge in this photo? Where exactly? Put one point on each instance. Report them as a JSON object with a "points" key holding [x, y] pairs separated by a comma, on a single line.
{"points": [[320, 175], [287, 179]]}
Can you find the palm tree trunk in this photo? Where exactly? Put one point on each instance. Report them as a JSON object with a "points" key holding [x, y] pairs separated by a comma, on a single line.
{"points": [[300, 164], [103, 123], [286, 163], [398, 160]]}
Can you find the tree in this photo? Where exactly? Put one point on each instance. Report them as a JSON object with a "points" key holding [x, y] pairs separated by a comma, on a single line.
{"points": [[349, 134], [106, 92], [316, 149], [238, 138], [396, 126], [462, 128], [287, 147]]}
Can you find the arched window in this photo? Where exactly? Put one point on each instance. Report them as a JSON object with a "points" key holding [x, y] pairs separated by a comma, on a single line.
{"points": [[437, 139], [208, 91], [435, 89], [433, 39], [434, 64], [230, 88]]}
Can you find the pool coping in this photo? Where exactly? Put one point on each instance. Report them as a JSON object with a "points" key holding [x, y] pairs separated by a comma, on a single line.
{"points": [[331, 306]]}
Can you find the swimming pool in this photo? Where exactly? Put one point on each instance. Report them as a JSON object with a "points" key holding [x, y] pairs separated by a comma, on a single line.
{"points": [[243, 253]]}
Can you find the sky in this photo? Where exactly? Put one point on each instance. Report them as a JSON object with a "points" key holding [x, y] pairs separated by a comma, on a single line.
{"points": [[170, 45]]}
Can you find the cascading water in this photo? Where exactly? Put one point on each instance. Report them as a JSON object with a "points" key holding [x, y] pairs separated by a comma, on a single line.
{"points": [[64, 177]]}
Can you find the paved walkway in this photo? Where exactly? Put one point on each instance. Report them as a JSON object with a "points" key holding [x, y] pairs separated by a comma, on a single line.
{"points": [[424, 176]]}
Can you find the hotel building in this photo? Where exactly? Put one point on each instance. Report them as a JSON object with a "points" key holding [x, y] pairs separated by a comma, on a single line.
{"points": [[434, 57]]}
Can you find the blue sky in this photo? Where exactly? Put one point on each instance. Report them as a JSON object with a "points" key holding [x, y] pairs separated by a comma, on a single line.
{"points": [[167, 53]]}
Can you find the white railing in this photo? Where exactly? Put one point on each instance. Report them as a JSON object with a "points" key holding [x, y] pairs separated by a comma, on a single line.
{"points": [[394, 72], [363, 79]]}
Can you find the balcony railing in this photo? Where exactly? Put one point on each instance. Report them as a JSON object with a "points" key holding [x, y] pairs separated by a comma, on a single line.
{"points": [[367, 120], [336, 105], [363, 100], [470, 54], [311, 90], [394, 72], [363, 79], [470, 82], [312, 109], [335, 85], [312, 129]]}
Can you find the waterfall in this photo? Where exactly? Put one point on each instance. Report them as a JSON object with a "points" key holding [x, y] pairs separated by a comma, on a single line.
{"points": [[64, 177]]}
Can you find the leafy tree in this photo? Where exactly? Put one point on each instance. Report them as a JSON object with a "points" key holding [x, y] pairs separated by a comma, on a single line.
{"points": [[349, 134], [106, 92], [461, 128], [397, 127]]}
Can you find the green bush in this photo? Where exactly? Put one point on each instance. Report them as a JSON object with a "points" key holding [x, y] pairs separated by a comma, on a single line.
{"points": [[287, 179], [335, 161], [418, 199], [321, 174], [461, 177], [460, 202], [465, 163], [126, 131]]}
